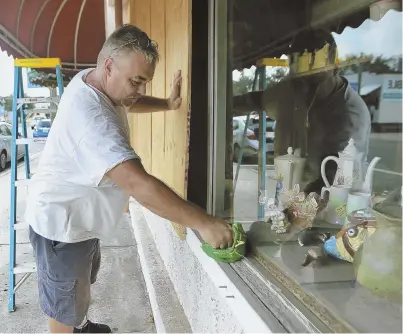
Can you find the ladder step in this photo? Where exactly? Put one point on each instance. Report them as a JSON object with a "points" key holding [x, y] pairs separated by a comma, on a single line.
{"points": [[21, 226], [38, 62], [24, 100], [29, 267], [40, 111], [25, 141], [22, 183]]}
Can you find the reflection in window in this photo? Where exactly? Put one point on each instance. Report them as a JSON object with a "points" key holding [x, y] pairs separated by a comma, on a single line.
{"points": [[320, 190]]}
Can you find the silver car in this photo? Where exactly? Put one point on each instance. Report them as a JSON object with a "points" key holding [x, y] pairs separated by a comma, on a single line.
{"points": [[5, 145], [250, 143]]}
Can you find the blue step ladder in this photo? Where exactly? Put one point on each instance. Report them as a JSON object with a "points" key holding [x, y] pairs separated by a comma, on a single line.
{"points": [[20, 115]]}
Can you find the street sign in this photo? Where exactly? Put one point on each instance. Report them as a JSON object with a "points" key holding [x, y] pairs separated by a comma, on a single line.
{"points": [[392, 87]]}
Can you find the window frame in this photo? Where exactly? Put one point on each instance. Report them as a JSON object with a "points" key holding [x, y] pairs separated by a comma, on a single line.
{"points": [[290, 312], [271, 287]]}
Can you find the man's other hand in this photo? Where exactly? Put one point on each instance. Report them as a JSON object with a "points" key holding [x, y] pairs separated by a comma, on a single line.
{"points": [[174, 101], [218, 233]]}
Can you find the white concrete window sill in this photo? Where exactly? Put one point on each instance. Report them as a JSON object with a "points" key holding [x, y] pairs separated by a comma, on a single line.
{"points": [[249, 311]]}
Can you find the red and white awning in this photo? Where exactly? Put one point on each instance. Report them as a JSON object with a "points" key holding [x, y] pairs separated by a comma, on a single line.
{"points": [[72, 30]]}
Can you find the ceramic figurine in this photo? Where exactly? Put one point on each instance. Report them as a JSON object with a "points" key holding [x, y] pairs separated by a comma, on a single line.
{"points": [[279, 189], [271, 209], [309, 207], [274, 214], [280, 223], [348, 240], [344, 244], [291, 196], [301, 206]]}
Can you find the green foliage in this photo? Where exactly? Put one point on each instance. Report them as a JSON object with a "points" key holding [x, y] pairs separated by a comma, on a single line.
{"points": [[245, 83], [377, 65]]}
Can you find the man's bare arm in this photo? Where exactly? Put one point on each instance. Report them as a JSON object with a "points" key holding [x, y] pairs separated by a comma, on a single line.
{"points": [[160, 199], [149, 104], [152, 104]]}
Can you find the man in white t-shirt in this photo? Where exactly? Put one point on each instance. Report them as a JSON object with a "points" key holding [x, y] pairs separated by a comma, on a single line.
{"points": [[87, 172]]}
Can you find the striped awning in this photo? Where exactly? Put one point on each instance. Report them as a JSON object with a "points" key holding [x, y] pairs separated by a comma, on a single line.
{"points": [[265, 28], [72, 30]]}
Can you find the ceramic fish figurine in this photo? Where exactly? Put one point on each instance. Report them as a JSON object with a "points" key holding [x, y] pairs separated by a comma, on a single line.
{"points": [[345, 243]]}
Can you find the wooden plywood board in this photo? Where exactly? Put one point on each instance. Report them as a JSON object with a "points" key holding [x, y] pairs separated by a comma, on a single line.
{"points": [[126, 12], [142, 133], [177, 44], [162, 139], [158, 89]]}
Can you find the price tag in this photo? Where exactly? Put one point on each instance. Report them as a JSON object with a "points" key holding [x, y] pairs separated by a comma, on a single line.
{"points": [[341, 211]]}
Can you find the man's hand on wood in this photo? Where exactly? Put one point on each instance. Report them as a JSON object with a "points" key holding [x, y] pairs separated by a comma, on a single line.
{"points": [[174, 101]]}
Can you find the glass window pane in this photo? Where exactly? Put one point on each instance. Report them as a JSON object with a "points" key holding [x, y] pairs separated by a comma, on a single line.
{"points": [[320, 180], [3, 130], [8, 130]]}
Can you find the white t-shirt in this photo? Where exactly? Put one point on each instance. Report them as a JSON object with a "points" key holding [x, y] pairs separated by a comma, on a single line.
{"points": [[69, 200]]}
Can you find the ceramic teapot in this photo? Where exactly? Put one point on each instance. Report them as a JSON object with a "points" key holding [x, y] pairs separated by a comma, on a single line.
{"points": [[290, 168], [351, 171]]}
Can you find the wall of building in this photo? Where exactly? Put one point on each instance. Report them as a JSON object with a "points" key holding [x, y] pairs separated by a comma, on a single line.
{"points": [[207, 311], [390, 108]]}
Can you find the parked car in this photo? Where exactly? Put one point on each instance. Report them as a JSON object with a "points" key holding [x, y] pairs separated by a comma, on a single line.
{"points": [[270, 129], [5, 145], [251, 142], [35, 121], [42, 128]]}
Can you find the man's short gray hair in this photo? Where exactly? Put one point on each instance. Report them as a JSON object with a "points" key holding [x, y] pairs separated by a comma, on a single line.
{"points": [[129, 38]]}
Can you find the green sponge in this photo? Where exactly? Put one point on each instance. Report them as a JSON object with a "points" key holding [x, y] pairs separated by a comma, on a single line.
{"points": [[232, 254]]}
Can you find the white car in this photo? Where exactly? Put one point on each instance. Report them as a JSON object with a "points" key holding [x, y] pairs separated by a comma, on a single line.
{"points": [[250, 143], [5, 145]]}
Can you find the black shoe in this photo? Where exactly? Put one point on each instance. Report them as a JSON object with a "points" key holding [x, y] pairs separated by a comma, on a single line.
{"points": [[91, 327]]}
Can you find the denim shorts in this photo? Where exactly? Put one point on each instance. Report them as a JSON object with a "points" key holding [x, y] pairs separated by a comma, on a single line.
{"points": [[65, 274]]}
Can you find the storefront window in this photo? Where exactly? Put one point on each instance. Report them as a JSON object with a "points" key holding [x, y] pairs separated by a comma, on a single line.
{"points": [[311, 117]]}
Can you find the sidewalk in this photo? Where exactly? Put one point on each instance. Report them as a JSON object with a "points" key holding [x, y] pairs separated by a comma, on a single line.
{"points": [[119, 296]]}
